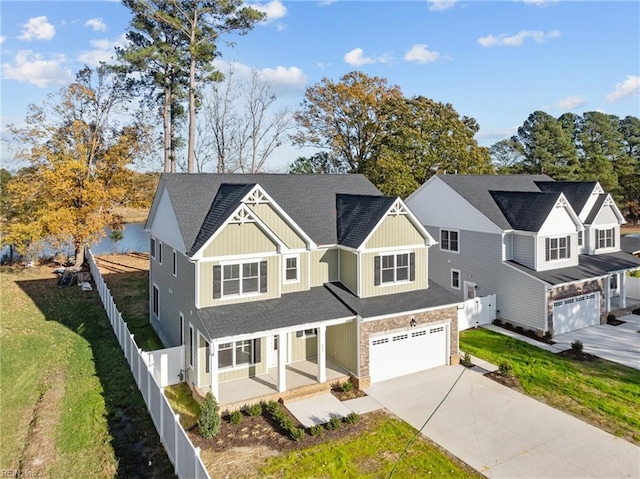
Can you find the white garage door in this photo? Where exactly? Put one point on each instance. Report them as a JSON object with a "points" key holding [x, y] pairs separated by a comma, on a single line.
{"points": [[407, 352], [576, 313]]}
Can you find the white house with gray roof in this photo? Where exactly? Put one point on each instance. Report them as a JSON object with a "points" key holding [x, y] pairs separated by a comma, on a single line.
{"points": [[263, 275], [549, 250]]}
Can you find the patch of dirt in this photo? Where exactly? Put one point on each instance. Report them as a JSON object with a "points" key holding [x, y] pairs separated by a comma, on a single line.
{"points": [[578, 356], [237, 461], [122, 263], [529, 333], [510, 380], [346, 395]]}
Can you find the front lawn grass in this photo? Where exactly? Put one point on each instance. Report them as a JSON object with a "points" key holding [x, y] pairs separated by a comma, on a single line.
{"points": [[599, 392], [182, 402], [372, 454]]}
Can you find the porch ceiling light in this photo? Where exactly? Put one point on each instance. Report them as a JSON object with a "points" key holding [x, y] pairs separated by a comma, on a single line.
{"points": [[412, 323]]}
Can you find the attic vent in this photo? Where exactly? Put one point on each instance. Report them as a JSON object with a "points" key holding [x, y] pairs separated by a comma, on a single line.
{"points": [[243, 216], [397, 209]]}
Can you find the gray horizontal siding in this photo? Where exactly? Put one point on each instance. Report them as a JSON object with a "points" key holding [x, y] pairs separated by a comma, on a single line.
{"points": [[524, 250]]}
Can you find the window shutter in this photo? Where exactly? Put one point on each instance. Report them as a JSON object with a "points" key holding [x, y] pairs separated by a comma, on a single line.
{"points": [[217, 282], [569, 246], [257, 356], [613, 237], [597, 236], [546, 247], [412, 267], [376, 271], [263, 276]]}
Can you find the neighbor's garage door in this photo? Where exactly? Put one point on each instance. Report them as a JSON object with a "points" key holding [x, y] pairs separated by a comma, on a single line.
{"points": [[576, 313], [407, 352]]}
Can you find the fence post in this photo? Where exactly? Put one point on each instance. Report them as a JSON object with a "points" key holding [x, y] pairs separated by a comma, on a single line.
{"points": [[196, 458]]}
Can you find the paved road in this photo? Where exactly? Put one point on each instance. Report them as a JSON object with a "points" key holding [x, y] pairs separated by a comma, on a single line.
{"points": [[502, 433]]}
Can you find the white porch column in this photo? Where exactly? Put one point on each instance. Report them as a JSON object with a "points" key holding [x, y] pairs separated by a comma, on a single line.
{"points": [[623, 290], [213, 369], [322, 354], [607, 294], [282, 363]]}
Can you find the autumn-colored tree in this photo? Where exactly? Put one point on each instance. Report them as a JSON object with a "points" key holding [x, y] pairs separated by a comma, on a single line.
{"points": [[79, 146]]}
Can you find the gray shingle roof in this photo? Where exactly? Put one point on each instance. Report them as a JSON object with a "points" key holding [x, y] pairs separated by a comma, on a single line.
{"points": [[576, 192], [310, 200], [589, 266], [525, 211], [595, 210], [357, 215], [396, 303], [475, 189], [630, 244], [316, 304]]}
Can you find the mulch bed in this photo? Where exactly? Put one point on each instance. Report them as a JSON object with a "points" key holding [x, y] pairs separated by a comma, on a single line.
{"points": [[615, 322], [570, 353], [346, 395], [525, 332], [510, 381]]}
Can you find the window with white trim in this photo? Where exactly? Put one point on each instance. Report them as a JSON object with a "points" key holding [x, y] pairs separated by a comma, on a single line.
{"points": [[239, 279], [605, 238], [291, 269], [175, 263], [449, 240], [558, 248], [152, 247], [238, 353], [580, 236], [394, 268], [191, 346], [306, 333], [455, 279], [156, 301]]}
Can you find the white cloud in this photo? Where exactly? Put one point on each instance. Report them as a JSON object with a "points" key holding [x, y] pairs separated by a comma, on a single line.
{"points": [[440, 5], [570, 103], [486, 137], [283, 80], [629, 87], [274, 10], [539, 3], [103, 50], [32, 68], [2, 39], [356, 58], [37, 28], [421, 54], [516, 40], [96, 24]]}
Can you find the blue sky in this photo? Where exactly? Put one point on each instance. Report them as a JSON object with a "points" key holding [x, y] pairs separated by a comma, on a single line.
{"points": [[496, 61]]}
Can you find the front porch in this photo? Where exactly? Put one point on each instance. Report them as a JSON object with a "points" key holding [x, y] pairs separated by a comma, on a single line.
{"points": [[301, 379]]}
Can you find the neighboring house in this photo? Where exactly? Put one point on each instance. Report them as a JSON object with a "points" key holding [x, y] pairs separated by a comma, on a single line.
{"points": [[549, 250], [255, 272], [630, 244]]}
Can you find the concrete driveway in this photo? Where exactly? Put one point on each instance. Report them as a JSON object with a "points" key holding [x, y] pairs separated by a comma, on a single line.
{"points": [[620, 344], [502, 433]]}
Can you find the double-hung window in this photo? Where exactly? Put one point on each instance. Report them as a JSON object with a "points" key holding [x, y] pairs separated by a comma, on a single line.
{"points": [[558, 248], [394, 268], [605, 238], [152, 247], [291, 269], [449, 240], [239, 279], [455, 279]]}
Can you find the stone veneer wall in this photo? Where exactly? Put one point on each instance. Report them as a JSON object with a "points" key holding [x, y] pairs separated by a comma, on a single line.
{"points": [[569, 290], [401, 323]]}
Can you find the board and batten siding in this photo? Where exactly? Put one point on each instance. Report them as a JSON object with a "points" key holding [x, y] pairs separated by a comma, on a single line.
{"points": [[341, 346], [303, 348], [544, 265], [237, 239], [244, 372], [368, 287], [303, 274], [524, 249], [349, 270], [324, 266], [395, 231], [176, 295], [206, 283], [519, 297], [278, 225]]}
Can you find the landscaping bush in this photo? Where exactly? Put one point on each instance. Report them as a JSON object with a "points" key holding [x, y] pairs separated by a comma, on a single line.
{"points": [[466, 360], [235, 417], [577, 346], [316, 430], [209, 420], [347, 386], [636, 311], [352, 418], [611, 317], [334, 423], [497, 322], [272, 407], [297, 433], [505, 368], [254, 410]]}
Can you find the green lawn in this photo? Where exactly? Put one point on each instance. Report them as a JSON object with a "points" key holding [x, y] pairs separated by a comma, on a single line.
{"points": [[370, 455], [600, 392], [67, 397]]}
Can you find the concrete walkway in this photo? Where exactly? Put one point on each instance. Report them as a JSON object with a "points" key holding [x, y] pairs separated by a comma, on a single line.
{"points": [[319, 409], [502, 433]]}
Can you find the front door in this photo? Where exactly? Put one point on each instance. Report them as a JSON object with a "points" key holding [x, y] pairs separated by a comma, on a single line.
{"points": [[469, 290], [272, 351]]}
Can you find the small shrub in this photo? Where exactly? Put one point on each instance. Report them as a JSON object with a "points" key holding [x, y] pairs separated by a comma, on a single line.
{"points": [[548, 335], [505, 368], [352, 418], [508, 325], [611, 317], [297, 433], [254, 410], [347, 386], [272, 407], [334, 423], [316, 430], [209, 420], [497, 322], [519, 329], [235, 417], [286, 423], [636, 311], [466, 360], [577, 346]]}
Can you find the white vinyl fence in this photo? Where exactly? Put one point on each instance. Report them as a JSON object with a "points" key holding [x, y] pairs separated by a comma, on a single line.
{"points": [[153, 371], [476, 312], [633, 287]]}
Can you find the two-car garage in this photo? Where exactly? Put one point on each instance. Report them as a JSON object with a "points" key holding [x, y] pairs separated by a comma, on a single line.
{"points": [[408, 351]]}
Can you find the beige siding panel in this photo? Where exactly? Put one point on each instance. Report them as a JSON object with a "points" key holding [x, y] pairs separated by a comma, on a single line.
{"points": [[368, 287], [274, 221], [341, 347], [395, 231], [236, 239], [324, 266], [206, 284], [303, 275], [247, 372], [349, 270], [205, 377], [303, 348]]}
